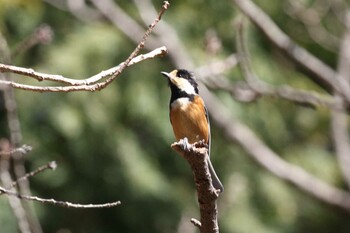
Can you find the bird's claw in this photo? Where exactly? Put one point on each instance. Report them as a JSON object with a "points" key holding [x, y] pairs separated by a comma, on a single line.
{"points": [[185, 144]]}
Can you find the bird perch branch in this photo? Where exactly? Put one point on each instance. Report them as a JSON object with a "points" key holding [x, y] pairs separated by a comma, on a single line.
{"points": [[196, 155]]}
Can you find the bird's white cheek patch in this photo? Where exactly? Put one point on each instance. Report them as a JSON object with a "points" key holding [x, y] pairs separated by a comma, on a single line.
{"points": [[185, 86]]}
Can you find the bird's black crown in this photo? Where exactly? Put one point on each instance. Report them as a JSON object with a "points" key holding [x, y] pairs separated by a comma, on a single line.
{"points": [[182, 73]]}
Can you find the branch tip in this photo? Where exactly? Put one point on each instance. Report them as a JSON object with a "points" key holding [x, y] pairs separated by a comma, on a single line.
{"points": [[196, 222]]}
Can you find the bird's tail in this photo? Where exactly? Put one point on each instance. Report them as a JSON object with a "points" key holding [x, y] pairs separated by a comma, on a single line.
{"points": [[215, 179]]}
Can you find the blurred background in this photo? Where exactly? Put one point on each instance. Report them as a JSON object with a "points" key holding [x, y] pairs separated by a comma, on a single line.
{"points": [[115, 144]]}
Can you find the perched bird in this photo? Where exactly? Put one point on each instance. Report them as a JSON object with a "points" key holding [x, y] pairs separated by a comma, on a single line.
{"points": [[188, 114]]}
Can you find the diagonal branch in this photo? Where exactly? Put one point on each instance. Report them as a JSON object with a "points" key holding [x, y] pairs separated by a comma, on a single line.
{"points": [[324, 74], [167, 35], [51, 165], [42, 35], [259, 87], [259, 151], [263, 155], [122, 20]]}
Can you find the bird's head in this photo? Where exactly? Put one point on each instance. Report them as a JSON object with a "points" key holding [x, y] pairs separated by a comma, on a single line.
{"points": [[183, 81]]}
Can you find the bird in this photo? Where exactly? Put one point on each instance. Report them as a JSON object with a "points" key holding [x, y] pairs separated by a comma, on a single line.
{"points": [[188, 115]]}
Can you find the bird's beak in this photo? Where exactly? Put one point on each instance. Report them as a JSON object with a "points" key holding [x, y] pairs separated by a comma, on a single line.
{"points": [[165, 74], [170, 77]]}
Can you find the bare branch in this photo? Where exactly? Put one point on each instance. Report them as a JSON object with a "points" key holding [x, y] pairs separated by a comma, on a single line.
{"points": [[167, 35], [197, 156], [217, 67], [196, 222], [324, 74], [59, 203], [75, 82], [245, 93], [42, 35], [23, 212], [78, 8], [88, 84], [339, 120], [141, 45], [51, 165], [340, 135], [311, 17], [254, 84], [17, 207], [123, 21], [24, 149], [263, 155]]}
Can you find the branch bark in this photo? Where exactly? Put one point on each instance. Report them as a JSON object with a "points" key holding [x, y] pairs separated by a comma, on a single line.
{"points": [[196, 155]]}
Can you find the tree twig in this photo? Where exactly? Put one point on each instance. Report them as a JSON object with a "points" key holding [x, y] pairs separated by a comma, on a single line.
{"points": [[51, 165], [196, 222], [90, 83], [59, 203], [24, 149], [118, 17], [42, 35]]}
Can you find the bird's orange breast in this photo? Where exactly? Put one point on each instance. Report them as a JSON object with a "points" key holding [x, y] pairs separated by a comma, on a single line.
{"points": [[189, 120]]}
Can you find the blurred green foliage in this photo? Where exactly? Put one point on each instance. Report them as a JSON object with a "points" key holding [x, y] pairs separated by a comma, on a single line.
{"points": [[115, 144]]}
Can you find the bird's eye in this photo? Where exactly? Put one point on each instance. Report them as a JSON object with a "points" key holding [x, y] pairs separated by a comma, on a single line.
{"points": [[183, 74]]}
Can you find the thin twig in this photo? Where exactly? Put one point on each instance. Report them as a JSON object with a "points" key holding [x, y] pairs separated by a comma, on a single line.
{"points": [[51, 165], [124, 22], [59, 203], [75, 85], [196, 222], [42, 35], [167, 35], [90, 83], [244, 93], [24, 149], [141, 44]]}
